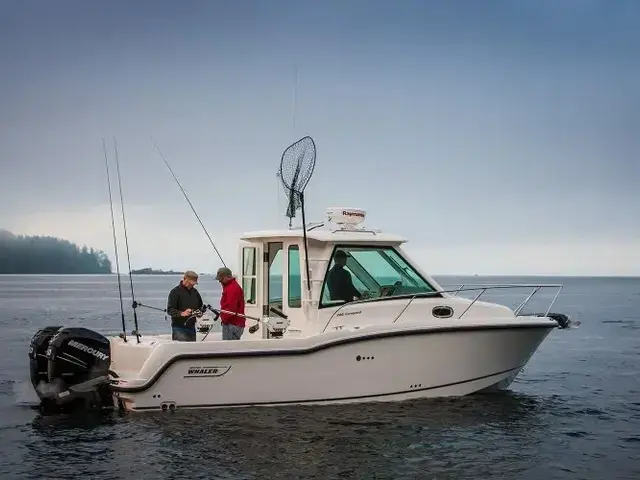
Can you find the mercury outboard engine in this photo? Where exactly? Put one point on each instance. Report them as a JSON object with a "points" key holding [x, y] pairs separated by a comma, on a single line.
{"points": [[38, 361], [76, 375]]}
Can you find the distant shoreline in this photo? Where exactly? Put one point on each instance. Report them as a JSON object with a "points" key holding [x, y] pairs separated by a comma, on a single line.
{"points": [[151, 271], [41, 255]]}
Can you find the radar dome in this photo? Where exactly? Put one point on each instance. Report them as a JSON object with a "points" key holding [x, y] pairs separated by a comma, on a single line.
{"points": [[346, 216]]}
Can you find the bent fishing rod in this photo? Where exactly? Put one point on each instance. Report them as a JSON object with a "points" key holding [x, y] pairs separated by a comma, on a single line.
{"points": [[136, 304], [188, 201]]}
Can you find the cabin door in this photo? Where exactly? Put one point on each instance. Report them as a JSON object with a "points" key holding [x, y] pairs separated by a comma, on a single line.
{"points": [[250, 256], [292, 279], [283, 280], [274, 266]]}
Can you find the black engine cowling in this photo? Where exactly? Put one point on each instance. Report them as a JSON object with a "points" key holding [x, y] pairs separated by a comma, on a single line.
{"points": [[38, 361], [77, 355], [70, 368]]}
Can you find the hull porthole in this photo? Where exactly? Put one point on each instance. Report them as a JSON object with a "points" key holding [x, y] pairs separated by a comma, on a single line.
{"points": [[442, 311]]}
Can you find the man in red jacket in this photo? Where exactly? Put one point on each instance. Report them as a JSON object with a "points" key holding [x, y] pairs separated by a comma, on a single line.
{"points": [[232, 300]]}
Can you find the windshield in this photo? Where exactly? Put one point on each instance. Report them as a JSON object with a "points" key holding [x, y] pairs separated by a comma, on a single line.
{"points": [[361, 272]]}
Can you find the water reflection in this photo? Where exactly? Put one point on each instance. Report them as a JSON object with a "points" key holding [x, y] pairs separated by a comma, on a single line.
{"points": [[358, 441], [58, 444]]}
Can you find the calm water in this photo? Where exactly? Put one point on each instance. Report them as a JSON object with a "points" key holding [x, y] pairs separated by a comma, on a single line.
{"points": [[573, 413]]}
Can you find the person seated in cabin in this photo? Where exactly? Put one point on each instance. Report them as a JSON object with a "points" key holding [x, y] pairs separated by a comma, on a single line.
{"points": [[232, 300], [184, 299], [339, 281]]}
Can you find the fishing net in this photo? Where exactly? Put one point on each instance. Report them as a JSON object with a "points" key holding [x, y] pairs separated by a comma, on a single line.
{"points": [[296, 167]]}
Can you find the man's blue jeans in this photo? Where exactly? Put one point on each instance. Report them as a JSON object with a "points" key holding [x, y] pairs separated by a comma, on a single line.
{"points": [[231, 332], [182, 334]]}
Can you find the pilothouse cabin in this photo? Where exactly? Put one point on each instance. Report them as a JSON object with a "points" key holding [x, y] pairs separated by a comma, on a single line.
{"points": [[274, 273]]}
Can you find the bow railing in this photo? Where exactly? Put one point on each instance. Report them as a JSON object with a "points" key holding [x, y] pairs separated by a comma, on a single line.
{"points": [[482, 288]]}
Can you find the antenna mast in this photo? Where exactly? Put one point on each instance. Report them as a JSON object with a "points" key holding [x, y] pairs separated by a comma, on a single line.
{"points": [[295, 99], [115, 243], [293, 116], [126, 240]]}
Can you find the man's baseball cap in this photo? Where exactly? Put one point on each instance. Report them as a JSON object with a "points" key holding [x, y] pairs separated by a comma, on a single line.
{"points": [[223, 272]]}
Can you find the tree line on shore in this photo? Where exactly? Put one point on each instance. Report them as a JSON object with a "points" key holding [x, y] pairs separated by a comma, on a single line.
{"points": [[22, 254]]}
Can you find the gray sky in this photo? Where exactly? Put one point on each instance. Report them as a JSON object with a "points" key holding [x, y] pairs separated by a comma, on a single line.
{"points": [[498, 136]]}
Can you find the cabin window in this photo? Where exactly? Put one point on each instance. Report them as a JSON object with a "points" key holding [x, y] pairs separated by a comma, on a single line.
{"points": [[275, 269], [249, 274], [295, 280], [369, 272]]}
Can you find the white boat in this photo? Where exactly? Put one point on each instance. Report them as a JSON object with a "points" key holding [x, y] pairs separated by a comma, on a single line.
{"points": [[407, 338]]}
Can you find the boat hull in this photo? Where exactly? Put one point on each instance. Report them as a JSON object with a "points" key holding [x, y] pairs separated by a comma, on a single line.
{"points": [[388, 366]]}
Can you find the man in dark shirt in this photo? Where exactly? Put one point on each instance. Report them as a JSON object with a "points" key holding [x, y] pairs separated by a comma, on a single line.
{"points": [[183, 300], [339, 280]]}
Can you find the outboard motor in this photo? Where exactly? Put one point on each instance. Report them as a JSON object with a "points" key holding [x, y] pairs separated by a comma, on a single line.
{"points": [[38, 361], [77, 372]]}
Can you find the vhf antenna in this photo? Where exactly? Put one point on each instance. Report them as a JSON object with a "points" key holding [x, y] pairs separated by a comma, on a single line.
{"points": [[115, 243], [126, 240]]}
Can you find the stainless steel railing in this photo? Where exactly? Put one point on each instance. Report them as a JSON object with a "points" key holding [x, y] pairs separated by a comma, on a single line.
{"points": [[483, 288]]}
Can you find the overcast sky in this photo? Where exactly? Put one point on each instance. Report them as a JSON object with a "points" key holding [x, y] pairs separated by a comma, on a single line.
{"points": [[497, 136]]}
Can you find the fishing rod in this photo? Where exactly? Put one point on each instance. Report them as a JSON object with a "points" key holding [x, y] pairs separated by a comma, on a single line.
{"points": [[138, 304], [253, 328], [126, 240], [217, 311], [115, 243], [189, 201], [164, 310]]}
